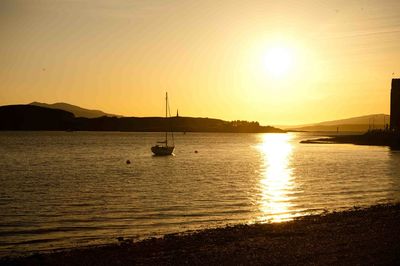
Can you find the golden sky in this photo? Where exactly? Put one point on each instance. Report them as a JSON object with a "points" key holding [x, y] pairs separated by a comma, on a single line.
{"points": [[277, 62]]}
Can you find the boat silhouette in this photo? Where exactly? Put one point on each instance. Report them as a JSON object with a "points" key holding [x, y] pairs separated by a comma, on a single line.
{"points": [[162, 148]]}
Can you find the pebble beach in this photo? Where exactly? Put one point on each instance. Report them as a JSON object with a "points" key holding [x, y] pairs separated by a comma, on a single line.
{"points": [[360, 236]]}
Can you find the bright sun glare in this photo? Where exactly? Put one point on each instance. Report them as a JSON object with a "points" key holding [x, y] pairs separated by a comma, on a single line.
{"points": [[278, 61]]}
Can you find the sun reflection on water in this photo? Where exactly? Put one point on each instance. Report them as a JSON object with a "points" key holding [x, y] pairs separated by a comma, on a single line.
{"points": [[276, 180]]}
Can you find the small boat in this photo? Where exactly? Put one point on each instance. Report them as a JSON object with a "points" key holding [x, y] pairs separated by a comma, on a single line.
{"points": [[162, 148]]}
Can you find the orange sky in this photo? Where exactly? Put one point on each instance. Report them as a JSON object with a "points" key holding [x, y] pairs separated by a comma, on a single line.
{"points": [[213, 57]]}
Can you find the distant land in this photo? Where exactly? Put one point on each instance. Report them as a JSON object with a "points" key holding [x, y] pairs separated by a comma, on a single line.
{"points": [[374, 138], [76, 110], [33, 117], [353, 124]]}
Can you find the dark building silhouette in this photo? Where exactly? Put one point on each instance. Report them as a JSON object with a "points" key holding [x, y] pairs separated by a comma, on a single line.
{"points": [[395, 105]]}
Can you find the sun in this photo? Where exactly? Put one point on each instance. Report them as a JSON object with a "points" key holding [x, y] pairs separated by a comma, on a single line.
{"points": [[278, 61]]}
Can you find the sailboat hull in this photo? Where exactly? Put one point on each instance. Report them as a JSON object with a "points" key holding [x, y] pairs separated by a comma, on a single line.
{"points": [[162, 150]]}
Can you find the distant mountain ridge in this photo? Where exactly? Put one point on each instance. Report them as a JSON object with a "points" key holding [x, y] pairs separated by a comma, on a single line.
{"points": [[356, 124], [360, 120], [32, 117], [76, 110]]}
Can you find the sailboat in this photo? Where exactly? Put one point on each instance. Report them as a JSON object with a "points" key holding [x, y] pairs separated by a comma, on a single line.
{"points": [[164, 149]]}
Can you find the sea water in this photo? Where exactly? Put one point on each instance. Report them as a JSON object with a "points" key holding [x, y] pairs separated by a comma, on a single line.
{"points": [[67, 189]]}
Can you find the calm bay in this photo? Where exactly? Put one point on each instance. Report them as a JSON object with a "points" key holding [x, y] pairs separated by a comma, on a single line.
{"points": [[67, 189]]}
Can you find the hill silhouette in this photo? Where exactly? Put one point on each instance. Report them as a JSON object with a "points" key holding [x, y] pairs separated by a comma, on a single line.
{"points": [[31, 117], [76, 110], [355, 124]]}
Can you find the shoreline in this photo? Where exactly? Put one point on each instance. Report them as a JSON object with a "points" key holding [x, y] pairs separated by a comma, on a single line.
{"points": [[371, 138], [357, 236]]}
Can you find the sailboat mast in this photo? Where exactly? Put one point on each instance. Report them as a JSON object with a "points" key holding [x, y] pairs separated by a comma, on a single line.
{"points": [[166, 117]]}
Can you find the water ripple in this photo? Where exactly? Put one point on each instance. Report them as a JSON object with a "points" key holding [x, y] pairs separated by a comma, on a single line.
{"points": [[61, 190]]}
